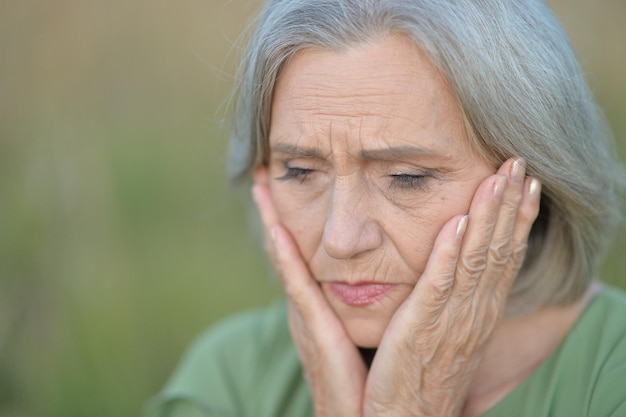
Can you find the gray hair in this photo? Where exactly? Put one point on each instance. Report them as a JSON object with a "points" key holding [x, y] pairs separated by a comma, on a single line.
{"points": [[522, 93]]}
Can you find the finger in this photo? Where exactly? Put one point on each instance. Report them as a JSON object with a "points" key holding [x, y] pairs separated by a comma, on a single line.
{"points": [[526, 216], [485, 253], [500, 246], [482, 219], [264, 203], [528, 211], [488, 246], [300, 287], [507, 248], [269, 215], [434, 286]]}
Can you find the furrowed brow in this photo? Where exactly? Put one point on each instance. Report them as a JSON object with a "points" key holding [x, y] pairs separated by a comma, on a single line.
{"points": [[398, 153], [297, 151]]}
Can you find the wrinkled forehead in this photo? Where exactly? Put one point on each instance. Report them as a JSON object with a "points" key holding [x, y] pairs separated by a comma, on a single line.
{"points": [[385, 91]]}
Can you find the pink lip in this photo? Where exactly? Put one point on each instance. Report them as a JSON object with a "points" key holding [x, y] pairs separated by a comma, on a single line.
{"points": [[360, 294]]}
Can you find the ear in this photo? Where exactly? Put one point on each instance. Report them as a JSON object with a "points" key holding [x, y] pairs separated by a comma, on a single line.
{"points": [[260, 175]]}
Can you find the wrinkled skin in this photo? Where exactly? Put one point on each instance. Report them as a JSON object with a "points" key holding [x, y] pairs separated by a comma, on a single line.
{"points": [[433, 219]]}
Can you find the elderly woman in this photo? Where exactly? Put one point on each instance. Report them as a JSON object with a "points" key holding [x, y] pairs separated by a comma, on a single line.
{"points": [[436, 185]]}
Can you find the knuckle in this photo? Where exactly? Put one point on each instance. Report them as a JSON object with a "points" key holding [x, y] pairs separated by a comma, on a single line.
{"points": [[513, 201], [500, 253], [528, 214], [464, 297], [493, 310], [473, 264], [518, 255], [439, 289]]}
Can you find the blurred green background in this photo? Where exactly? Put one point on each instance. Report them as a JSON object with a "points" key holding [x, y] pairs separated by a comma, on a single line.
{"points": [[120, 238]]}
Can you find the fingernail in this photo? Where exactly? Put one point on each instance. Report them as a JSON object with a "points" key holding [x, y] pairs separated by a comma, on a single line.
{"points": [[498, 188], [273, 234], [461, 226], [518, 171], [534, 189]]}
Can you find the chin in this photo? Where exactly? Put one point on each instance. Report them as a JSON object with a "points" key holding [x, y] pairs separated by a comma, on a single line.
{"points": [[365, 332], [367, 324]]}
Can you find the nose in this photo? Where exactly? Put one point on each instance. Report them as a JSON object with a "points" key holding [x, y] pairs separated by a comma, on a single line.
{"points": [[350, 229]]}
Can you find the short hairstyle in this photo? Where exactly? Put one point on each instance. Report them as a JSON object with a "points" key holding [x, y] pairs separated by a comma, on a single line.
{"points": [[522, 93]]}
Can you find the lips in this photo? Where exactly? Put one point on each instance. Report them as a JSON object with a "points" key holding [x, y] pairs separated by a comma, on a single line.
{"points": [[359, 294]]}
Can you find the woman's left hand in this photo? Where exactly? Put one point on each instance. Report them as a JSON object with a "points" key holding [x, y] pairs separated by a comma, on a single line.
{"points": [[435, 341]]}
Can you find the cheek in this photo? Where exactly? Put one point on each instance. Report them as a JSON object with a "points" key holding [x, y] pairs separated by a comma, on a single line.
{"points": [[303, 218], [413, 234], [414, 230]]}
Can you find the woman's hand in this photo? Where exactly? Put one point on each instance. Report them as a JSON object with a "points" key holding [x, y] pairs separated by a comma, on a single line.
{"points": [[435, 340], [331, 362]]}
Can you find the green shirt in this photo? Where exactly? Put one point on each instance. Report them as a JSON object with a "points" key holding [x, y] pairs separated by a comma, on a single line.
{"points": [[248, 366]]}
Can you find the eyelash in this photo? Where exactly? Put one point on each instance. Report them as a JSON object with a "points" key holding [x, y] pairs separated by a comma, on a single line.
{"points": [[295, 173], [407, 181], [401, 181]]}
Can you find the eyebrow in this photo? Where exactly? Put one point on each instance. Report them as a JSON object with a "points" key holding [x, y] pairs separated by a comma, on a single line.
{"points": [[297, 150], [393, 153]]}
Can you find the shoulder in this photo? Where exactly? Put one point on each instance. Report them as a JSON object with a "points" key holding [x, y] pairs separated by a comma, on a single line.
{"points": [[608, 338], [590, 369], [584, 375], [226, 368], [248, 333], [602, 328]]}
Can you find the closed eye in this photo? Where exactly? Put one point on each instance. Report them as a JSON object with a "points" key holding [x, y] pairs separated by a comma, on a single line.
{"points": [[295, 173], [408, 181]]}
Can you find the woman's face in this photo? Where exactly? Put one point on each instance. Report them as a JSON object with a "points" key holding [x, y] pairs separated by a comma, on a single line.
{"points": [[369, 158]]}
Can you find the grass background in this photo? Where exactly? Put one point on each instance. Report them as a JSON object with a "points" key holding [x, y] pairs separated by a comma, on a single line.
{"points": [[120, 238]]}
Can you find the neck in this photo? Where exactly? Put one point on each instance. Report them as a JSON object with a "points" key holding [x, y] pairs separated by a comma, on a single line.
{"points": [[518, 347]]}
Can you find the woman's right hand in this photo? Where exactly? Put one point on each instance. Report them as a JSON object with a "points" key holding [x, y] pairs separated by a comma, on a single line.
{"points": [[332, 365]]}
